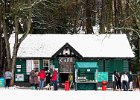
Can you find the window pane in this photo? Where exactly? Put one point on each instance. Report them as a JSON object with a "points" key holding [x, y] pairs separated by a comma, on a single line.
{"points": [[36, 64], [46, 64]]}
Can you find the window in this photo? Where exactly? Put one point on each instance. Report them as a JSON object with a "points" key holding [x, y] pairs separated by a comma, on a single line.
{"points": [[36, 65], [32, 64], [46, 64]]}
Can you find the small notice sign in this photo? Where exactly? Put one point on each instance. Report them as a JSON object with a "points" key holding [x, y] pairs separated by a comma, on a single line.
{"points": [[18, 66], [102, 76], [19, 77]]}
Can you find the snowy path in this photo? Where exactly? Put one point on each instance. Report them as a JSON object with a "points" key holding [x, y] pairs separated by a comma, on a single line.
{"points": [[24, 94]]}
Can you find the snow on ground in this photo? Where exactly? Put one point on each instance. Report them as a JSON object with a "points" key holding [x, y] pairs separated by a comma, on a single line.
{"points": [[27, 94]]}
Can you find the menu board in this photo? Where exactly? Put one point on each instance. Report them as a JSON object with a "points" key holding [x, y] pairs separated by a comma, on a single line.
{"points": [[102, 76]]}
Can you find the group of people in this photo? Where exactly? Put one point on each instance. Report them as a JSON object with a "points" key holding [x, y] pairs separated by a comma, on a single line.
{"points": [[42, 78], [123, 81]]}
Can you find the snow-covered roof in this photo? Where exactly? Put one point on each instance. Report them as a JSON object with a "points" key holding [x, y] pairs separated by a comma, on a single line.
{"points": [[88, 45]]}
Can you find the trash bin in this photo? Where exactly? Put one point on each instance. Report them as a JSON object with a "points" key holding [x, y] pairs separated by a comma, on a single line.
{"points": [[104, 83], [67, 86]]}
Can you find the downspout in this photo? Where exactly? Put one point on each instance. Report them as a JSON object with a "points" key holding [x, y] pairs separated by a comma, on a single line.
{"points": [[103, 65]]}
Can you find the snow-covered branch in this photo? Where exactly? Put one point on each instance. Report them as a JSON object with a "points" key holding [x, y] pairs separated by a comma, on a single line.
{"points": [[136, 12], [131, 29], [28, 28], [31, 5]]}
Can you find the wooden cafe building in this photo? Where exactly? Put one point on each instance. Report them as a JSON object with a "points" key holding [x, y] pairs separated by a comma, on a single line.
{"points": [[107, 53]]}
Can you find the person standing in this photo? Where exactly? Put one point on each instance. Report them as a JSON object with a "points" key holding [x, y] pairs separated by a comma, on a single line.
{"points": [[36, 80], [130, 81], [32, 79], [48, 77], [138, 81], [114, 80], [124, 81], [70, 78], [118, 80], [8, 77], [54, 79], [42, 78]]}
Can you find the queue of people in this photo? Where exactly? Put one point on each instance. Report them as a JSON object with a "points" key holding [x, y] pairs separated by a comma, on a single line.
{"points": [[122, 82], [38, 80]]}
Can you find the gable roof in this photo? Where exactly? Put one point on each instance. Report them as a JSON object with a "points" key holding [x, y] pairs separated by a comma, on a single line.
{"points": [[87, 45], [70, 47]]}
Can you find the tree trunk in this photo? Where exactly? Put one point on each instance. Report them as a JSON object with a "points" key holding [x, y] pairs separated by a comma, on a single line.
{"points": [[13, 69], [15, 49], [89, 29], [0, 38], [6, 38], [137, 68], [102, 18], [0, 45]]}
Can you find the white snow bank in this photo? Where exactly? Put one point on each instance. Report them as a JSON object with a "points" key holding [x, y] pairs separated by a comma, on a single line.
{"points": [[21, 94]]}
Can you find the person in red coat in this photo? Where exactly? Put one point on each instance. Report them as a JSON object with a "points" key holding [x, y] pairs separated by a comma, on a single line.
{"points": [[42, 78], [54, 79]]}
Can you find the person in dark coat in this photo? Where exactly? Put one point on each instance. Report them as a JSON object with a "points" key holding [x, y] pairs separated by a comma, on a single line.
{"points": [[32, 79], [36, 80], [130, 76], [48, 77], [118, 80]]}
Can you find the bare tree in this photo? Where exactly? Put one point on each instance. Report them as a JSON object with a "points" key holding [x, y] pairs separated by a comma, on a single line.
{"points": [[16, 19]]}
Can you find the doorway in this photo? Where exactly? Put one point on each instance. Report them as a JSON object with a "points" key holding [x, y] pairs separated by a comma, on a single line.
{"points": [[64, 77], [66, 65]]}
